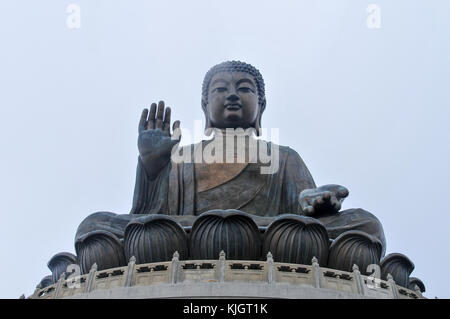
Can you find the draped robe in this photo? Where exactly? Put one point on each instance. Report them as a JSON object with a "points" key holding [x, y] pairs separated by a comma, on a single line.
{"points": [[190, 188]]}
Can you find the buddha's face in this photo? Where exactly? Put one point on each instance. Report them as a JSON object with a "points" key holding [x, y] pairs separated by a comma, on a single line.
{"points": [[232, 100]]}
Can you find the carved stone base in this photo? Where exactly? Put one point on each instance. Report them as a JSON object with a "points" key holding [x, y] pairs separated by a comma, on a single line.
{"points": [[232, 231], [58, 264], [354, 248], [102, 248], [416, 283], [296, 239], [45, 282], [399, 266], [154, 238]]}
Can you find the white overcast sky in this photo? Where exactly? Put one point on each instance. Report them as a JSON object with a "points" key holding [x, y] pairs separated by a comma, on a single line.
{"points": [[365, 108]]}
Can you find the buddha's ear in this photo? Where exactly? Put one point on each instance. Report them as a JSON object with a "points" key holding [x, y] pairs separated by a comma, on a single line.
{"points": [[204, 104], [208, 128], [262, 107]]}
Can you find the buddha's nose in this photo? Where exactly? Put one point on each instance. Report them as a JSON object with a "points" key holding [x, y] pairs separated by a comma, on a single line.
{"points": [[232, 96]]}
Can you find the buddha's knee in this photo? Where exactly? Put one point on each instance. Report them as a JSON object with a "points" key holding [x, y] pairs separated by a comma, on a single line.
{"points": [[106, 221], [99, 240]]}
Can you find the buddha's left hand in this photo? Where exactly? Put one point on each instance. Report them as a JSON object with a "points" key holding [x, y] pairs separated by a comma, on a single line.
{"points": [[322, 200]]}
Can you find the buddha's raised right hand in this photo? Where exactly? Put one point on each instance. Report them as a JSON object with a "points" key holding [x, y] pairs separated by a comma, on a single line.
{"points": [[155, 142]]}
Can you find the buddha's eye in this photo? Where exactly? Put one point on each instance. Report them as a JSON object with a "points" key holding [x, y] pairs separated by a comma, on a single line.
{"points": [[245, 89], [220, 89]]}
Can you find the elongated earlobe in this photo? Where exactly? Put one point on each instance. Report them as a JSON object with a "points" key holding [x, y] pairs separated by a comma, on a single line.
{"points": [[258, 126], [208, 128], [262, 107]]}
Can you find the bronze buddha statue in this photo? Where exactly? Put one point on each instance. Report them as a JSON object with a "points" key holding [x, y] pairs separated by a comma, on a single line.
{"points": [[282, 211]]}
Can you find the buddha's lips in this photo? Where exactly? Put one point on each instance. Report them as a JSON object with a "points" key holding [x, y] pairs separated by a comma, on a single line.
{"points": [[233, 107]]}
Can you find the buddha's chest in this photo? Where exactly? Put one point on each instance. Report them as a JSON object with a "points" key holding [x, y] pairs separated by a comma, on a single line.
{"points": [[227, 186], [208, 176]]}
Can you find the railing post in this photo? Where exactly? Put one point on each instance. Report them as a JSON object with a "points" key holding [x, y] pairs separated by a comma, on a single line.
{"points": [[130, 272], [270, 268], [393, 286], [59, 285], [316, 272], [174, 268], [222, 266], [360, 285], [91, 278]]}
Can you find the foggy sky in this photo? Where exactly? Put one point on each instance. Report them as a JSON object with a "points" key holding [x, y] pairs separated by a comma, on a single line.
{"points": [[365, 108]]}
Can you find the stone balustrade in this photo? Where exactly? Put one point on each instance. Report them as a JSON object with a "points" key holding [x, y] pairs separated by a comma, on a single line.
{"points": [[265, 275]]}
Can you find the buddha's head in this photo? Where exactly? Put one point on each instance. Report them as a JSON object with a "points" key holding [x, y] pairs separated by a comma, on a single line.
{"points": [[233, 96]]}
